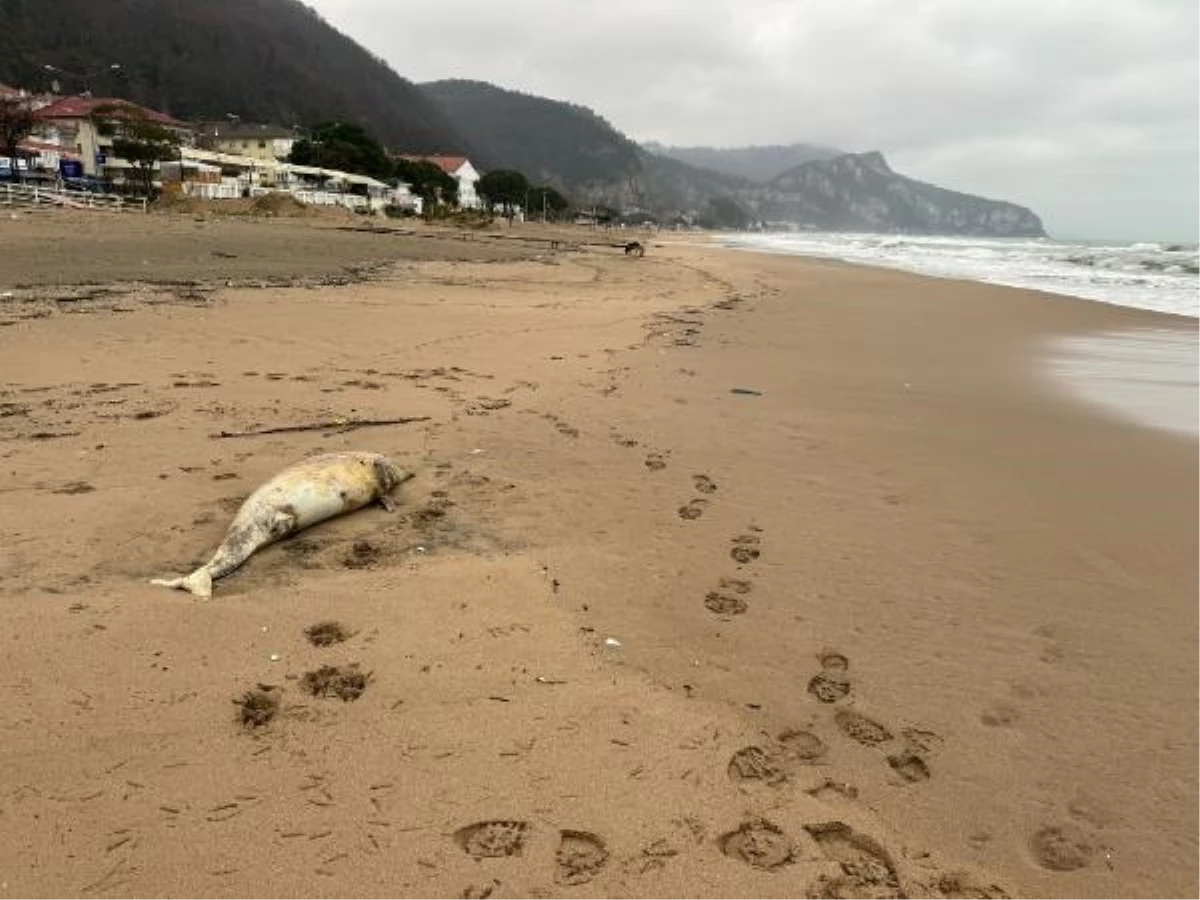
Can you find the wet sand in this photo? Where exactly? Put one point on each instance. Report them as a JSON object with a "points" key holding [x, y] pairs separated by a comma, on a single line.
{"points": [[721, 574]]}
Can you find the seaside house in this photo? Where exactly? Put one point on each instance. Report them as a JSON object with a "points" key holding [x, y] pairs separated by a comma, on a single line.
{"points": [[46, 162], [70, 123], [265, 142], [460, 169]]}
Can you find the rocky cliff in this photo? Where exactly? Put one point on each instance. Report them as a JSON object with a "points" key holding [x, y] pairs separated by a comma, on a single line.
{"points": [[860, 192]]}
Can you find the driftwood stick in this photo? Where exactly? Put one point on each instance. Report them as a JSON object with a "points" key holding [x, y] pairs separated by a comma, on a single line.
{"points": [[337, 426]]}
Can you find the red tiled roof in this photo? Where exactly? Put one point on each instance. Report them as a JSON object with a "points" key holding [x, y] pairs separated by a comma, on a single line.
{"points": [[448, 164], [84, 107]]}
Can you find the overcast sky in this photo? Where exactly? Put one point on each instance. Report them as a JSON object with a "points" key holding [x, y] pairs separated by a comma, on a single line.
{"points": [[1084, 110]]}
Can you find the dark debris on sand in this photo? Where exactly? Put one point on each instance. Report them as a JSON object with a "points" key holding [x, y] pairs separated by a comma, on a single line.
{"points": [[344, 682]]}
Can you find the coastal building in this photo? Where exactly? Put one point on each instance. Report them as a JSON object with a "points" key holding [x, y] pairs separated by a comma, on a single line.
{"points": [[265, 142], [77, 125], [460, 169]]}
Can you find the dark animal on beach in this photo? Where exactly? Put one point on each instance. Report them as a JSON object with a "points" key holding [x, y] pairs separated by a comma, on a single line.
{"points": [[635, 248]]}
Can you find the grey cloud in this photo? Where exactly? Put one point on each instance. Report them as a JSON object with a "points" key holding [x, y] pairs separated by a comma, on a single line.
{"points": [[1085, 110]]}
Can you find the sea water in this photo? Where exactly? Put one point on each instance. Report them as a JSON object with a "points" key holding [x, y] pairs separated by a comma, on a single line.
{"points": [[1150, 376], [1161, 277]]}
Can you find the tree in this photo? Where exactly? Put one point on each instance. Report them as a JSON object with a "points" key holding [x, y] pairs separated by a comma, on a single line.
{"points": [[428, 182], [16, 124], [504, 188], [137, 139], [723, 212], [546, 199], [343, 146]]}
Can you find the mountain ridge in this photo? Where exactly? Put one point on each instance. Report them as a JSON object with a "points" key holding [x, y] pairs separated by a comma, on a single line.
{"points": [[536, 136]]}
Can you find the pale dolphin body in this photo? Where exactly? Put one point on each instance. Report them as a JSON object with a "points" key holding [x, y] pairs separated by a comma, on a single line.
{"points": [[303, 494]]}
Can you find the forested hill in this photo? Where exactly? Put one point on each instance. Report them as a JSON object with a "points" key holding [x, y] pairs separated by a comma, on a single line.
{"points": [[264, 60], [549, 141], [756, 163]]}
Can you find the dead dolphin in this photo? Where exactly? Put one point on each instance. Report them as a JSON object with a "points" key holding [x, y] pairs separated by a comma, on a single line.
{"points": [[303, 494]]}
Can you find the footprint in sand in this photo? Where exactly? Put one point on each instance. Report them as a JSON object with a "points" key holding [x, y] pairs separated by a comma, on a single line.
{"points": [[730, 599], [829, 687], [858, 727], [758, 843], [830, 790], [325, 634], [655, 462], [480, 891], [832, 683], [801, 746], [909, 763], [745, 548], [756, 764], [1062, 848], [774, 763], [960, 884], [704, 484], [920, 740], [494, 838], [258, 707], [346, 683], [693, 509], [580, 856], [868, 870], [909, 766], [725, 604], [833, 661]]}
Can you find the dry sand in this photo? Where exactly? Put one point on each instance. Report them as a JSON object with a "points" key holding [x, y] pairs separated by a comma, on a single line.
{"points": [[896, 618]]}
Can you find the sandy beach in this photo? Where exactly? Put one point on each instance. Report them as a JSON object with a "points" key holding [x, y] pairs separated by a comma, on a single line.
{"points": [[721, 574]]}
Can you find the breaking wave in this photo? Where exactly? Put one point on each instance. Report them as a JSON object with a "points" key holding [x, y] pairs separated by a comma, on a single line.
{"points": [[1158, 276]]}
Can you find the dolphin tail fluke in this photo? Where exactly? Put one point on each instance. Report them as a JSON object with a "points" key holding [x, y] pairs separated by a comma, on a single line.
{"points": [[198, 583]]}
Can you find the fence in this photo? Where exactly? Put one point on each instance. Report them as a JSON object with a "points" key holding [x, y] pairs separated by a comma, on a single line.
{"points": [[25, 195]]}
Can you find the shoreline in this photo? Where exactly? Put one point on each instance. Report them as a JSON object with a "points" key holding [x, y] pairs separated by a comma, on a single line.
{"points": [[1126, 393], [900, 518], [1080, 290]]}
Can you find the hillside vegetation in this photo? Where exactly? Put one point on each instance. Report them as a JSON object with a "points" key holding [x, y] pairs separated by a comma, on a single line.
{"points": [[264, 60], [757, 163], [559, 143]]}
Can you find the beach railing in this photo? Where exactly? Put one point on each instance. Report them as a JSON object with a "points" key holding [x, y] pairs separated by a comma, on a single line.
{"points": [[34, 196]]}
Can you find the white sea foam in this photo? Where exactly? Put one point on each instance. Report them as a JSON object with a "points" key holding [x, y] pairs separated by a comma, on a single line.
{"points": [[1160, 277]]}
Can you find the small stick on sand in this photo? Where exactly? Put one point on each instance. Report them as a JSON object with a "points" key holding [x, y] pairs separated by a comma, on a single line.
{"points": [[337, 426]]}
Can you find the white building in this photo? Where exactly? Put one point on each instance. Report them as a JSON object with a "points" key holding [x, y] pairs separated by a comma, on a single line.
{"points": [[460, 169]]}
